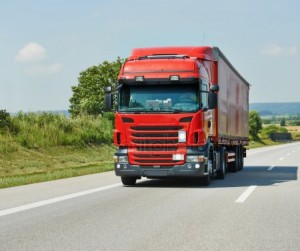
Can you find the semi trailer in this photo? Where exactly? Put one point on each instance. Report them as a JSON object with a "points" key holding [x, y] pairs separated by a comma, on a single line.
{"points": [[181, 112]]}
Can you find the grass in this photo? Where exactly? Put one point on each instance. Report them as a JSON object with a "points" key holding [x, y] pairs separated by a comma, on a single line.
{"points": [[262, 143], [28, 166], [45, 146]]}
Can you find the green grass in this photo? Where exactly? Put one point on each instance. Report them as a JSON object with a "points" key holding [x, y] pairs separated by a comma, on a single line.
{"points": [[45, 146], [10, 181], [28, 166], [262, 143]]}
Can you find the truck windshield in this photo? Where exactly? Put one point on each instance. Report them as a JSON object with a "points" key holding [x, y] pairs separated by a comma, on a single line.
{"points": [[159, 98]]}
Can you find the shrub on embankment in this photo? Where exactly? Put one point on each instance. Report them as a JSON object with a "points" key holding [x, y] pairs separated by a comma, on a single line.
{"points": [[40, 130]]}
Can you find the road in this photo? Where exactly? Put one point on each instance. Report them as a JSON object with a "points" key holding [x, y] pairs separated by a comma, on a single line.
{"points": [[255, 209]]}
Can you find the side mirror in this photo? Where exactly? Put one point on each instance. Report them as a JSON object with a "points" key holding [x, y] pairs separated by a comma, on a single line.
{"points": [[212, 100], [108, 98], [214, 88]]}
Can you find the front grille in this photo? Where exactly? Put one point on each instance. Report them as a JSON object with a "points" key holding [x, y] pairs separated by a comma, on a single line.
{"points": [[155, 141], [157, 149], [156, 128], [155, 159], [155, 135], [155, 145], [142, 135]]}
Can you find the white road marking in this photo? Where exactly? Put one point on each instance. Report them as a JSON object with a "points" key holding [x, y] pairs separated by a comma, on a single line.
{"points": [[281, 158], [55, 200], [245, 194], [270, 168]]}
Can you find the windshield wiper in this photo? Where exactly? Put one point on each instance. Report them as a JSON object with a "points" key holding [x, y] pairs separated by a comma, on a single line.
{"points": [[176, 110]]}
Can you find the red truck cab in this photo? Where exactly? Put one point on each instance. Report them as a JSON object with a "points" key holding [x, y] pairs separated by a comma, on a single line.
{"points": [[166, 123]]}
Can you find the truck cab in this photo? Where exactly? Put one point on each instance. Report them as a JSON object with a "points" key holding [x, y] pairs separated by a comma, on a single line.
{"points": [[166, 118]]}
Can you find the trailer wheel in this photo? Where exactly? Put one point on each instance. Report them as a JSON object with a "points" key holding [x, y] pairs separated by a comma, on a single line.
{"points": [[222, 164], [128, 181], [241, 155], [234, 165]]}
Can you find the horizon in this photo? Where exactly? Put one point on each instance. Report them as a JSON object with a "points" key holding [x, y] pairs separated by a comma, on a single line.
{"points": [[64, 111]]}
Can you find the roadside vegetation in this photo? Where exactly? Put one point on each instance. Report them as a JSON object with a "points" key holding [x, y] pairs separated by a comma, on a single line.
{"points": [[45, 146], [37, 147], [260, 129]]}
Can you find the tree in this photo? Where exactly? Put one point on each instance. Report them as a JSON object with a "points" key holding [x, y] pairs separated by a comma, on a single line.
{"points": [[4, 119], [88, 95], [255, 124], [266, 121], [282, 122]]}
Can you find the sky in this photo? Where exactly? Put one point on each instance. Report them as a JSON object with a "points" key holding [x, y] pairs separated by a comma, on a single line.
{"points": [[45, 44]]}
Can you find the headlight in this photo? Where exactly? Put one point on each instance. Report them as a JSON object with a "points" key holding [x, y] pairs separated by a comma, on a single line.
{"points": [[122, 159], [195, 158], [181, 136]]}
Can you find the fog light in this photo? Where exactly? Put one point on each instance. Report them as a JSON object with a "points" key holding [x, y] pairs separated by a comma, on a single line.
{"points": [[139, 78], [118, 166], [174, 78]]}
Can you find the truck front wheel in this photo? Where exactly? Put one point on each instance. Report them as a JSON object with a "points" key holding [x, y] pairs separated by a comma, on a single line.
{"points": [[128, 181], [223, 164]]}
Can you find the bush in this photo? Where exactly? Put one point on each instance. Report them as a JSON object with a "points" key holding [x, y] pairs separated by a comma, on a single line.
{"points": [[47, 129], [4, 119], [266, 131], [295, 123]]}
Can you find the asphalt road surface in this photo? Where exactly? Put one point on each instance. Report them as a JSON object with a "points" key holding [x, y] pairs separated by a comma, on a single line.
{"points": [[255, 209]]}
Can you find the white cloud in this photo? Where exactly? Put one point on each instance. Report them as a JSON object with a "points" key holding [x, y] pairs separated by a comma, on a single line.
{"points": [[292, 50], [38, 70], [32, 52], [278, 50]]}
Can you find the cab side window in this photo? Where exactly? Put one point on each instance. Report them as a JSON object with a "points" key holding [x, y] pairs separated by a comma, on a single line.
{"points": [[204, 93]]}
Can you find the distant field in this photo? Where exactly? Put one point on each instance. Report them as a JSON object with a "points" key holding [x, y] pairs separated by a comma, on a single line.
{"points": [[293, 128]]}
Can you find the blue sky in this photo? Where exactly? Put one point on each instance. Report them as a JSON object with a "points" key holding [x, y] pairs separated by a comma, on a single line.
{"points": [[44, 44]]}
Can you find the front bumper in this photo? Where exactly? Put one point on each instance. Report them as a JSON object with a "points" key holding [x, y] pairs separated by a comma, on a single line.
{"points": [[189, 169], [186, 170]]}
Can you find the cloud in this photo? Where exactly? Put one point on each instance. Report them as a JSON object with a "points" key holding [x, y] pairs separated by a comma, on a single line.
{"points": [[32, 52], [38, 70], [278, 50]]}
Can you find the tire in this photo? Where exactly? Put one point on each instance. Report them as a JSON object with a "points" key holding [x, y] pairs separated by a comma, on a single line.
{"points": [[206, 180], [234, 166], [223, 164], [128, 181], [241, 165]]}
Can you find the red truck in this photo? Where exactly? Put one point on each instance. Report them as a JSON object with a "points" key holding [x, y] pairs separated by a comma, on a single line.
{"points": [[181, 112]]}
